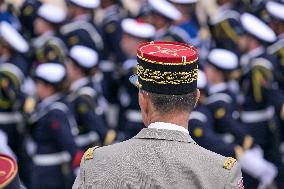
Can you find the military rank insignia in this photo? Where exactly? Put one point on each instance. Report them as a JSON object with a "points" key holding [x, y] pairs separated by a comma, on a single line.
{"points": [[229, 163], [90, 153], [220, 113]]}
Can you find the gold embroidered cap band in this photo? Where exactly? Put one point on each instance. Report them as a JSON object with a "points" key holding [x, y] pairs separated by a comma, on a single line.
{"points": [[166, 68]]}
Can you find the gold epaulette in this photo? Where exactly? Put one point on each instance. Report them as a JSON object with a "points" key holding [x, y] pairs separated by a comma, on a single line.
{"points": [[90, 153], [229, 163]]}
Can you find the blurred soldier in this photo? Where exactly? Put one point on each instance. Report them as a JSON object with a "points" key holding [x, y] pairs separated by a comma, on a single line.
{"points": [[135, 33], [53, 129], [113, 54], [13, 47], [225, 26], [257, 78], [202, 124], [221, 102], [85, 99], [188, 21], [48, 47], [276, 12], [111, 28], [162, 16], [27, 16], [168, 157], [80, 28], [202, 129]]}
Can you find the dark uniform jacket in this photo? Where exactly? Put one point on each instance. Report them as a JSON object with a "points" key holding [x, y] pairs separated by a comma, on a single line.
{"points": [[201, 128]]}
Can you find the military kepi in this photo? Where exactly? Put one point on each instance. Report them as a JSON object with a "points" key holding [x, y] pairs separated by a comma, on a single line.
{"points": [[166, 68], [8, 172]]}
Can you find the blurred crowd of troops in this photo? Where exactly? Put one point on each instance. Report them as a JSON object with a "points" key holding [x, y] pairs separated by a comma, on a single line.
{"points": [[64, 82]]}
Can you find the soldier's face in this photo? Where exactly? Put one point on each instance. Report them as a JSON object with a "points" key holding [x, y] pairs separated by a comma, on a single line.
{"points": [[43, 90], [243, 43], [211, 73], [129, 45], [71, 71], [41, 26]]}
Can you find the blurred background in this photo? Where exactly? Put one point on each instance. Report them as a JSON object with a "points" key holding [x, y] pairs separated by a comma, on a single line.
{"points": [[64, 81]]}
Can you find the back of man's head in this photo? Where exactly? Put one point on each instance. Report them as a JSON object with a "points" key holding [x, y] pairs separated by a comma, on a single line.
{"points": [[169, 104]]}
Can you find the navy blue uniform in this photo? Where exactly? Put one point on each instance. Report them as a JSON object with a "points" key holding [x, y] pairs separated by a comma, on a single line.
{"points": [[277, 99], [53, 129], [202, 129], [258, 112], [83, 101], [82, 32], [173, 34], [225, 29], [130, 109], [222, 104], [112, 33], [277, 50]]}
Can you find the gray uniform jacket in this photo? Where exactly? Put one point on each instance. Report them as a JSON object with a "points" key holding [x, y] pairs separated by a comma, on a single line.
{"points": [[157, 158]]}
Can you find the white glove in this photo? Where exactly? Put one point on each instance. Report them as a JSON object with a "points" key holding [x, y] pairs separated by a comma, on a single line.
{"points": [[253, 163]]}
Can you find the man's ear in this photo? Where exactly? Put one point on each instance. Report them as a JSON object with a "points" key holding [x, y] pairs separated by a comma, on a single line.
{"points": [[143, 102], [197, 97]]}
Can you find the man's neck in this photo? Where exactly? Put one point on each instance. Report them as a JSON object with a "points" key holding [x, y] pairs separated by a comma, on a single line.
{"points": [[177, 119]]}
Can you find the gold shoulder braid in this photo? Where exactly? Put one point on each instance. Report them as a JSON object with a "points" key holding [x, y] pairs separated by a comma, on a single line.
{"points": [[90, 153], [229, 163]]}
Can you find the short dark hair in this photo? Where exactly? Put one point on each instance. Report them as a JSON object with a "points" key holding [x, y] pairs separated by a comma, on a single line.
{"points": [[172, 103]]}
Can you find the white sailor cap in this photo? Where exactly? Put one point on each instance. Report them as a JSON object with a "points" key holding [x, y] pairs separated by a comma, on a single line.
{"points": [[257, 28], [13, 37], [84, 57], [51, 13], [201, 80], [223, 59], [52, 73], [275, 9], [88, 4], [166, 9], [184, 1], [137, 29]]}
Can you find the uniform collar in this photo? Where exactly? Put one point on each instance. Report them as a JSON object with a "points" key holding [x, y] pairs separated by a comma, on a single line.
{"points": [[164, 134], [168, 126], [40, 40], [111, 10], [79, 83], [53, 98], [217, 88], [85, 17]]}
